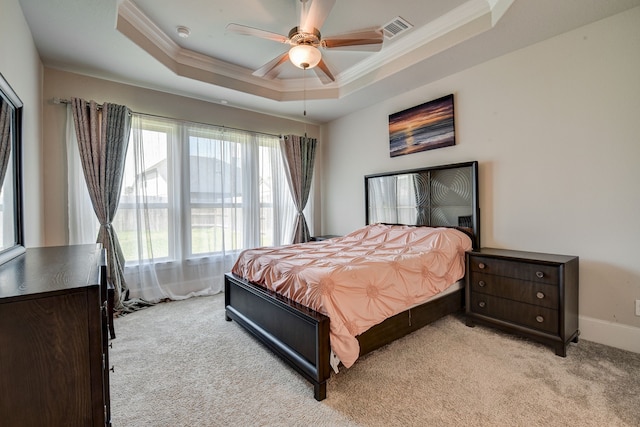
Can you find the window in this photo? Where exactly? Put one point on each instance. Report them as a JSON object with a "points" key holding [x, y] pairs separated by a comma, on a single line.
{"points": [[146, 183], [191, 191]]}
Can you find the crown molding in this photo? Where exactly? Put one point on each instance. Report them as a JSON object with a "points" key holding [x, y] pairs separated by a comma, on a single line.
{"points": [[444, 32], [467, 20]]}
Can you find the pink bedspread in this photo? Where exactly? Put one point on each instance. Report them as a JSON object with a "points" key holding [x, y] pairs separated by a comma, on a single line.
{"points": [[362, 278]]}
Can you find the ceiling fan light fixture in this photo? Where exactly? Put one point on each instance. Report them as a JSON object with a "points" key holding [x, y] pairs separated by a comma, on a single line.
{"points": [[304, 56]]}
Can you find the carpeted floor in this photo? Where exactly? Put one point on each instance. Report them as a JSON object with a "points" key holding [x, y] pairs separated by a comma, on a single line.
{"points": [[182, 364]]}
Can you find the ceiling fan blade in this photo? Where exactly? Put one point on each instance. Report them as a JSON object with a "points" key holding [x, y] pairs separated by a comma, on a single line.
{"points": [[249, 31], [323, 72], [270, 69], [367, 40], [316, 14], [303, 9]]}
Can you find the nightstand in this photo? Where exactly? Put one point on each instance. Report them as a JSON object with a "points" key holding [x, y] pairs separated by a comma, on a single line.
{"points": [[531, 294]]}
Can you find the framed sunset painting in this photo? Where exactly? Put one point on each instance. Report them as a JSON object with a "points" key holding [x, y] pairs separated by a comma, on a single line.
{"points": [[423, 127]]}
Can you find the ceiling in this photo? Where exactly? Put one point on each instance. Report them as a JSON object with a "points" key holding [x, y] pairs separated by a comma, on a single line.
{"points": [[136, 42]]}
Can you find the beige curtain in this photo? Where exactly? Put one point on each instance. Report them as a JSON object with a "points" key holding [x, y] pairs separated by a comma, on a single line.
{"points": [[299, 154], [103, 137]]}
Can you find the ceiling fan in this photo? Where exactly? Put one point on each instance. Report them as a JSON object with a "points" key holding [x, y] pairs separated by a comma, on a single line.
{"points": [[305, 41]]}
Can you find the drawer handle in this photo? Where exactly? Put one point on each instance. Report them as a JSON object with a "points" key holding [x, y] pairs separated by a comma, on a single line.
{"points": [[481, 266], [481, 283], [540, 274], [482, 304], [540, 295], [539, 319]]}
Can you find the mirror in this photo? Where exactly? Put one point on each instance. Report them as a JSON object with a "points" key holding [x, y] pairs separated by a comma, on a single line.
{"points": [[11, 232], [441, 196]]}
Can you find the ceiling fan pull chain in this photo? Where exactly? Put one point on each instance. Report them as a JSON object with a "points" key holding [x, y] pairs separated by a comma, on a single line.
{"points": [[304, 99]]}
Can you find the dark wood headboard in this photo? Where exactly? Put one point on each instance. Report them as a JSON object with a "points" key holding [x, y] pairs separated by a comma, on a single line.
{"points": [[437, 196]]}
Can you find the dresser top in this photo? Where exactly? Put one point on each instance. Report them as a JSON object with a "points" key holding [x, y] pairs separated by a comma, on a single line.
{"points": [[50, 269], [522, 255]]}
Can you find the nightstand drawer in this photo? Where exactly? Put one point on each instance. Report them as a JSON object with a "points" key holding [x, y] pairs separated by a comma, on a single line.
{"points": [[533, 272], [536, 317], [541, 294]]}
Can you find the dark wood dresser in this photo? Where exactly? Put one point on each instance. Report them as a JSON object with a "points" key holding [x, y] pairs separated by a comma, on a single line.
{"points": [[532, 294], [53, 338]]}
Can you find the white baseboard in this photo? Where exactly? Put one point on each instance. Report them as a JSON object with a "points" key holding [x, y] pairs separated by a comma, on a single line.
{"points": [[609, 333]]}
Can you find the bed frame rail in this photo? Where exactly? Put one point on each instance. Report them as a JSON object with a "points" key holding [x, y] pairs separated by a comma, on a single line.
{"points": [[410, 321]]}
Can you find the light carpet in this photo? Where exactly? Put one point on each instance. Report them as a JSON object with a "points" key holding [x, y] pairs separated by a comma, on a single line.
{"points": [[181, 364]]}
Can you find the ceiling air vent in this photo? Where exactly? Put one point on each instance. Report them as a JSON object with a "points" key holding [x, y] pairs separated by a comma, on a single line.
{"points": [[396, 27]]}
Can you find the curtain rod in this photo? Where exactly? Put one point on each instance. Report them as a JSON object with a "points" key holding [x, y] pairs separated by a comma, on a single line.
{"points": [[57, 100], [66, 101]]}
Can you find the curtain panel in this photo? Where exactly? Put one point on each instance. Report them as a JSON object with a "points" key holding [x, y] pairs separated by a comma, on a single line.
{"points": [[103, 138], [83, 225], [299, 154]]}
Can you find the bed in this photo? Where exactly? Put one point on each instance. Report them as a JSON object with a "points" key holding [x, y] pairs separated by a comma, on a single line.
{"points": [[441, 200]]}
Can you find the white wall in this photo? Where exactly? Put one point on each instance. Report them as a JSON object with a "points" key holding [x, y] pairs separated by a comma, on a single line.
{"points": [[21, 67], [556, 130]]}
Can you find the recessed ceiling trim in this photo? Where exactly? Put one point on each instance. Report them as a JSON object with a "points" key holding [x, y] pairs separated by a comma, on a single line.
{"points": [[129, 12], [467, 20], [448, 30], [293, 89], [136, 26], [498, 8]]}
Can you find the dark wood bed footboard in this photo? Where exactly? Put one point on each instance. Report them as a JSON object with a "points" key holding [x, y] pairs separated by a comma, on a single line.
{"points": [[299, 335]]}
